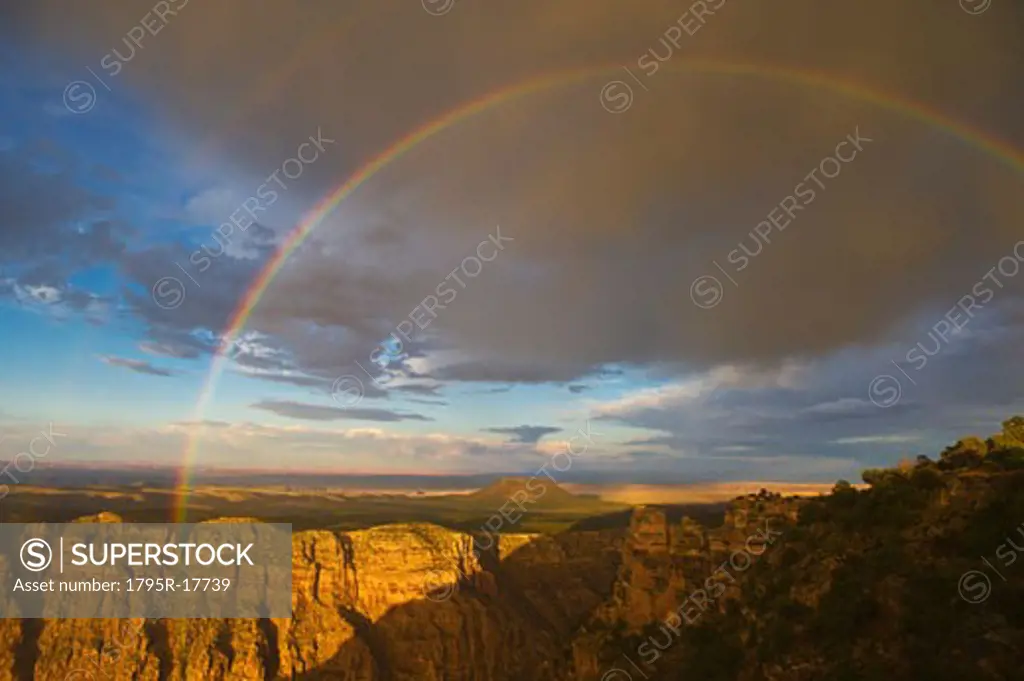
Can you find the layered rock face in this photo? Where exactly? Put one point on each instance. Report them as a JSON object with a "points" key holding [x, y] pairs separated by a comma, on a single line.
{"points": [[412, 602], [664, 563], [665, 567]]}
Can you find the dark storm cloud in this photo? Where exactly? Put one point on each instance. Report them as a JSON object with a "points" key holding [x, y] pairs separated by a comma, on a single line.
{"points": [[314, 412], [136, 365], [529, 435], [337, 385], [967, 387], [201, 304], [39, 213], [613, 216], [507, 372], [207, 303], [576, 389]]}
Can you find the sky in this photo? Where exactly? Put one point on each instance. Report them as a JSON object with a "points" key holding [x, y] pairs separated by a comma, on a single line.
{"points": [[728, 240]]}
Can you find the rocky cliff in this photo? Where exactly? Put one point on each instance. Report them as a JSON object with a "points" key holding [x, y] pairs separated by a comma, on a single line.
{"points": [[859, 584], [405, 602]]}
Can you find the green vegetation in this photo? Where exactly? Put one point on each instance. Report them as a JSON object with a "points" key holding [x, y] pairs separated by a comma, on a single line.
{"points": [[867, 585]]}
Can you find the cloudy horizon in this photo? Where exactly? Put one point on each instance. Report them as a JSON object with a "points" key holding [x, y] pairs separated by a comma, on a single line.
{"points": [[734, 241]]}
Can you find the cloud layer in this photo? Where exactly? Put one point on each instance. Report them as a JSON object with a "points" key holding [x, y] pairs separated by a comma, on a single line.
{"points": [[760, 246]]}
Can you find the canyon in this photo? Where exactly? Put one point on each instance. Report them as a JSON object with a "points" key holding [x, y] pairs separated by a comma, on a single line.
{"points": [[418, 601], [885, 581]]}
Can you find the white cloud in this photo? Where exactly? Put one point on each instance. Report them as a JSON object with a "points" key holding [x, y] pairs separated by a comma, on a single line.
{"points": [[693, 390], [877, 439], [213, 206], [247, 445]]}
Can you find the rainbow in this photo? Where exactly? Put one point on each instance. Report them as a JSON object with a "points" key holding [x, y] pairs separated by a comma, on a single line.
{"points": [[803, 78]]}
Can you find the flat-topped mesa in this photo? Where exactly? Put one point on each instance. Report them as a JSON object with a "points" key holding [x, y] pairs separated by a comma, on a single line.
{"points": [[533, 492]]}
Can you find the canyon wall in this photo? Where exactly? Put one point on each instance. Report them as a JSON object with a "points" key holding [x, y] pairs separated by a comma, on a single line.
{"points": [[416, 602]]}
